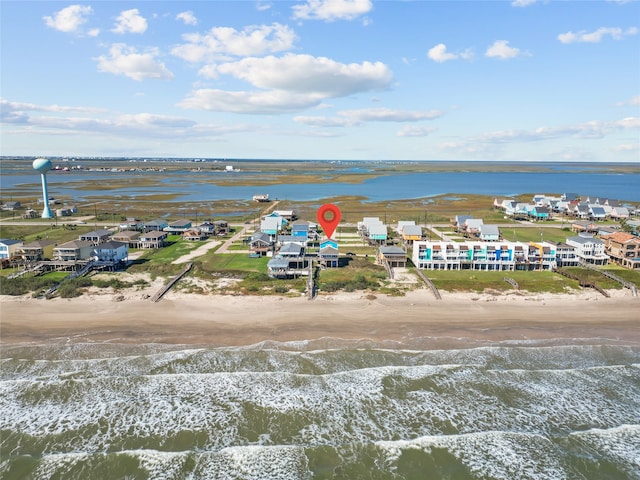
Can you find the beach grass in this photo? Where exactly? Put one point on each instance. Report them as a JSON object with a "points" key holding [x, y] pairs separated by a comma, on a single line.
{"points": [[479, 282]]}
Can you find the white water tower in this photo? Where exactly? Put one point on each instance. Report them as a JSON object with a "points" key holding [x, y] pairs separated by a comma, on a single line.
{"points": [[43, 165]]}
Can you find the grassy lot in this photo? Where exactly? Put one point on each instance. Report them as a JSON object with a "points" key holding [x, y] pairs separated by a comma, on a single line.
{"points": [[470, 281], [593, 277], [632, 276], [536, 234], [360, 274]]}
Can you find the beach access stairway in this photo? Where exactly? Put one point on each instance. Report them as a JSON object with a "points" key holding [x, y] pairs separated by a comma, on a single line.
{"points": [[160, 293], [613, 276], [582, 282], [429, 284]]}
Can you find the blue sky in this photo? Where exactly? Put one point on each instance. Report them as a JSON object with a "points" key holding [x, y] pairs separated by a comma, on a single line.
{"points": [[322, 79]]}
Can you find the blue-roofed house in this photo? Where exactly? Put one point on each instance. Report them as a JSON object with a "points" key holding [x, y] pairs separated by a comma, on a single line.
{"points": [[328, 254]]}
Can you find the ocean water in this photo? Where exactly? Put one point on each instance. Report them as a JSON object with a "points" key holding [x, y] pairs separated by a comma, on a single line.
{"points": [[320, 410]]}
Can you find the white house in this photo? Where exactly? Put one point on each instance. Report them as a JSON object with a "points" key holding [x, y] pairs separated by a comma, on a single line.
{"points": [[588, 248], [111, 251]]}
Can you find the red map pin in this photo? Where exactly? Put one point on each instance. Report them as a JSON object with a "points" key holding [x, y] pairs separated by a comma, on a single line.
{"points": [[329, 216]]}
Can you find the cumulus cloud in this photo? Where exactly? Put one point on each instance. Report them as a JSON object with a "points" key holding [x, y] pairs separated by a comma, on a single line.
{"points": [[330, 10], [309, 74], [224, 41], [130, 21], [187, 17], [522, 3], [596, 36], [439, 54], [349, 118], [69, 19], [270, 102], [290, 83], [501, 49], [124, 60]]}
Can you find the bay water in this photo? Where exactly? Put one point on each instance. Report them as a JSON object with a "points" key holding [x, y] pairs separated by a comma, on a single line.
{"points": [[321, 409]]}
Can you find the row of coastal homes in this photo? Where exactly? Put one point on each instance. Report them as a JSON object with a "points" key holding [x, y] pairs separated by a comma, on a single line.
{"points": [[504, 255], [542, 207]]}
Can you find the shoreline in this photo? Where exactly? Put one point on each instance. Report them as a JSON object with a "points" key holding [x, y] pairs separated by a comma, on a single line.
{"points": [[416, 319]]}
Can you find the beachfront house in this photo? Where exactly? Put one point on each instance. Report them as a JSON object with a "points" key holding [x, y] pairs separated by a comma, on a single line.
{"points": [[589, 249], [566, 255], [329, 254], [130, 237], [153, 239], [9, 248], [96, 237], [37, 250], [111, 252], [623, 248], [73, 251], [392, 256]]}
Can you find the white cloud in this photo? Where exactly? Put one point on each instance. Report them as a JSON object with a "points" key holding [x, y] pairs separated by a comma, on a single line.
{"points": [[140, 125], [635, 101], [330, 10], [223, 41], [130, 21], [349, 118], [310, 75], [69, 19], [501, 49], [187, 17], [124, 60], [439, 54], [288, 84], [16, 112], [414, 131], [270, 102], [596, 36]]}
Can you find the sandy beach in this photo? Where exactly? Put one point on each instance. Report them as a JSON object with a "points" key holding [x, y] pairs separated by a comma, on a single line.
{"points": [[226, 320]]}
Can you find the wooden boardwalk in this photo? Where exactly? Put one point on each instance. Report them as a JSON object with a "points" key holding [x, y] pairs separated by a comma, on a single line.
{"points": [[160, 293]]}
